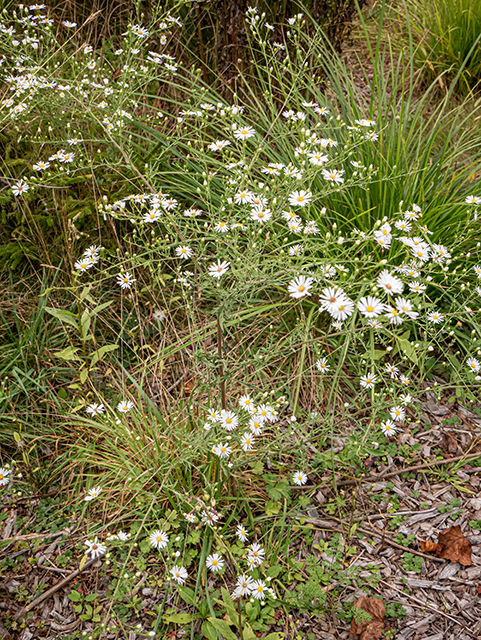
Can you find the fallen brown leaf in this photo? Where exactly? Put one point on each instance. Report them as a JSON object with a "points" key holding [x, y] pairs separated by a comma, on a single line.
{"points": [[371, 629], [449, 444], [452, 545]]}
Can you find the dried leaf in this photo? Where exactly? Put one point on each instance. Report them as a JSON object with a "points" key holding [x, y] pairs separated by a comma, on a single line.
{"points": [[452, 545], [371, 629], [449, 444]]}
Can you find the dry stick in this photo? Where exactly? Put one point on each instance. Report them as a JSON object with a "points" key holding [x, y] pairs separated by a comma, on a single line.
{"points": [[53, 590], [369, 532], [427, 606], [425, 465]]}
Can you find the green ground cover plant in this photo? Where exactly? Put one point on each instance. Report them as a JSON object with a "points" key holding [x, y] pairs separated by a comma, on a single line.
{"points": [[227, 287]]}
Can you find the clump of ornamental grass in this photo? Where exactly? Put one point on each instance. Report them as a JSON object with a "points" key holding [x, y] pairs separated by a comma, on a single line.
{"points": [[289, 228]]}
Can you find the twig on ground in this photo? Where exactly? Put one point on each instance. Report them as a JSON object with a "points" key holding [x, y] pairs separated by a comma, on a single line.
{"points": [[53, 590], [370, 532], [417, 467]]}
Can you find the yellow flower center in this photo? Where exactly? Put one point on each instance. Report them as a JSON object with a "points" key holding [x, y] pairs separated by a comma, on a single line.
{"points": [[370, 309], [301, 289]]}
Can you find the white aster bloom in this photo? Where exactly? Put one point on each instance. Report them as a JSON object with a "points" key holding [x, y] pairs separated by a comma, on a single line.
{"points": [[184, 252], [388, 428], [228, 420], [158, 539], [247, 441], [242, 533], [389, 283], [473, 365], [299, 478], [299, 287], [370, 307], [398, 413], [259, 589], [368, 381], [218, 269], [95, 549], [218, 145], [214, 562], [247, 403], [92, 494], [242, 133], [300, 198], [4, 476], [125, 406], [322, 365], [125, 280], [179, 574]]}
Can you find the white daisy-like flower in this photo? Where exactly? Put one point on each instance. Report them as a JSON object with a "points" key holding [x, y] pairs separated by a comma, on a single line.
{"points": [[300, 198], [218, 145], [392, 370], [259, 214], [368, 381], [473, 365], [242, 533], [247, 403], [330, 299], [417, 287], [125, 406], [214, 562], [125, 280], [370, 307], [317, 158], [259, 589], [184, 252], [228, 420], [169, 203], [41, 166], [222, 450], [397, 413], [247, 441], [322, 365], [393, 314], [95, 549], [221, 227], [257, 552], [435, 317], [244, 586], [179, 574], [388, 428], [256, 424], [244, 197], [473, 200], [333, 175], [4, 476], [296, 250], [242, 133], [20, 188], [299, 287], [95, 408], [389, 283], [158, 539], [152, 216], [92, 494], [299, 478], [218, 269]]}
